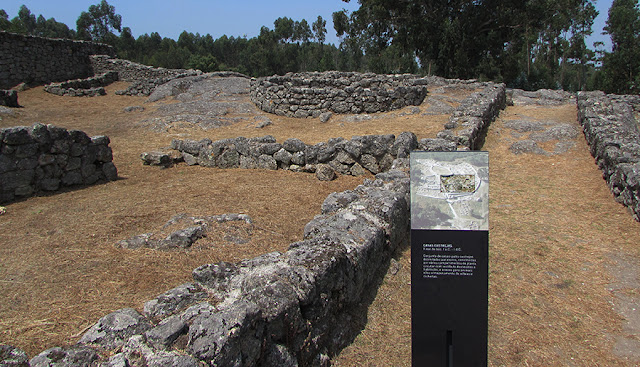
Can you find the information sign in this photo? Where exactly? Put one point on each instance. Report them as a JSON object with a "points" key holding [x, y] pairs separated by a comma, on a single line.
{"points": [[449, 258]]}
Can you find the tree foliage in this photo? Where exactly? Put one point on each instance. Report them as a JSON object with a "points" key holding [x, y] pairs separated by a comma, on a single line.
{"points": [[530, 43], [99, 23], [27, 23], [621, 67]]}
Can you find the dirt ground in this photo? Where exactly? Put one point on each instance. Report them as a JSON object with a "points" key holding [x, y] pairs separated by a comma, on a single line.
{"points": [[60, 271], [555, 235]]}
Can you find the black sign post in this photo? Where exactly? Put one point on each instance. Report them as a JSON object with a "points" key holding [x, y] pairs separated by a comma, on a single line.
{"points": [[449, 258]]}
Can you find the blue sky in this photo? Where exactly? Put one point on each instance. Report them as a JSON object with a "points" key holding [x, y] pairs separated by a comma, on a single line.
{"points": [[233, 18]]}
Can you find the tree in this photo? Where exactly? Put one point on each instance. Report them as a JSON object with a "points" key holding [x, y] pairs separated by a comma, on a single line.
{"points": [[5, 24], [320, 29], [497, 40], [284, 29], [99, 23], [621, 67], [302, 31]]}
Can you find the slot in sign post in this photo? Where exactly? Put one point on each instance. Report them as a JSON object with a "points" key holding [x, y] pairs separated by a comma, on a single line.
{"points": [[449, 258]]}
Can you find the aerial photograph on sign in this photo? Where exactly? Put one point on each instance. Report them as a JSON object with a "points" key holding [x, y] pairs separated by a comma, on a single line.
{"points": [[450, 190]]}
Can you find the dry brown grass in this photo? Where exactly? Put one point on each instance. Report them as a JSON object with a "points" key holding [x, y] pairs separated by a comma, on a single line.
{"points": [[60, 271], [553, 227]]}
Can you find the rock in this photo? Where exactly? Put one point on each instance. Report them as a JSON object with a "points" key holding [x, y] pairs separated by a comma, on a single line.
{"points": [[562, 132], [267, 162], [76, 356], [324, 172], [294, 145], [370, 163], [229, 337], [166, 332], [338, 200], [526, 146], [405, 143], [9, 98], [113, 330], [215, 276], [156, 159], [189, 159], [133, 109], [357, 170], [117, 360], [279, 355], [174, 300], [524, 126], [183, 238], [110, 171], [437, 145], [13, 357], [283, 157], [136, 242], [325, 117]]}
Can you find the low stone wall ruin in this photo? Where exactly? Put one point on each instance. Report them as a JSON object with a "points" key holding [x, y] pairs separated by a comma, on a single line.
{"points": [[130, 71], [278, 309], [91, 87], [144, 78], [38, 60], [311, 94], [611, 130], [470, 120], [358, 156], [45, 158]]}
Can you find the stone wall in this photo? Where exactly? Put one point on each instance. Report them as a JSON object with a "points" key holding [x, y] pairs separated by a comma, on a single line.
{"points": [[38, 60], [278, 309], [611, 129], [358, 156], [470, 120], [311, 94], [91, 87], [45, 158]]}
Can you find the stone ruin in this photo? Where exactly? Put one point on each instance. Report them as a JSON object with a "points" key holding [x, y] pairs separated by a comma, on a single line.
{"points": [[311, 94], [93, 86], [611, 129], [38, 60], [46, 158], [282, 308]]}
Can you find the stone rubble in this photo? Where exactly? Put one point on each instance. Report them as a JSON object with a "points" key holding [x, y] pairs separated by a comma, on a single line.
{"points": [[191, 230]]}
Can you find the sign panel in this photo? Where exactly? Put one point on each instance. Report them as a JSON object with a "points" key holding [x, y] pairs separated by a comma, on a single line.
{"points": [[449, 258]]}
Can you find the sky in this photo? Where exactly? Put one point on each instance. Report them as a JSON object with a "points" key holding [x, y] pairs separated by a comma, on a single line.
{"points": [[234, 18]]}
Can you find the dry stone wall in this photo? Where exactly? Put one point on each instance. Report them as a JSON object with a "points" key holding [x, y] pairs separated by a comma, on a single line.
{"points": [[358, 156], [91, 87], [470, 120], [38, 60], [611, 129], [144, 78], [311, 94], [278, 309], [46, 158]]}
